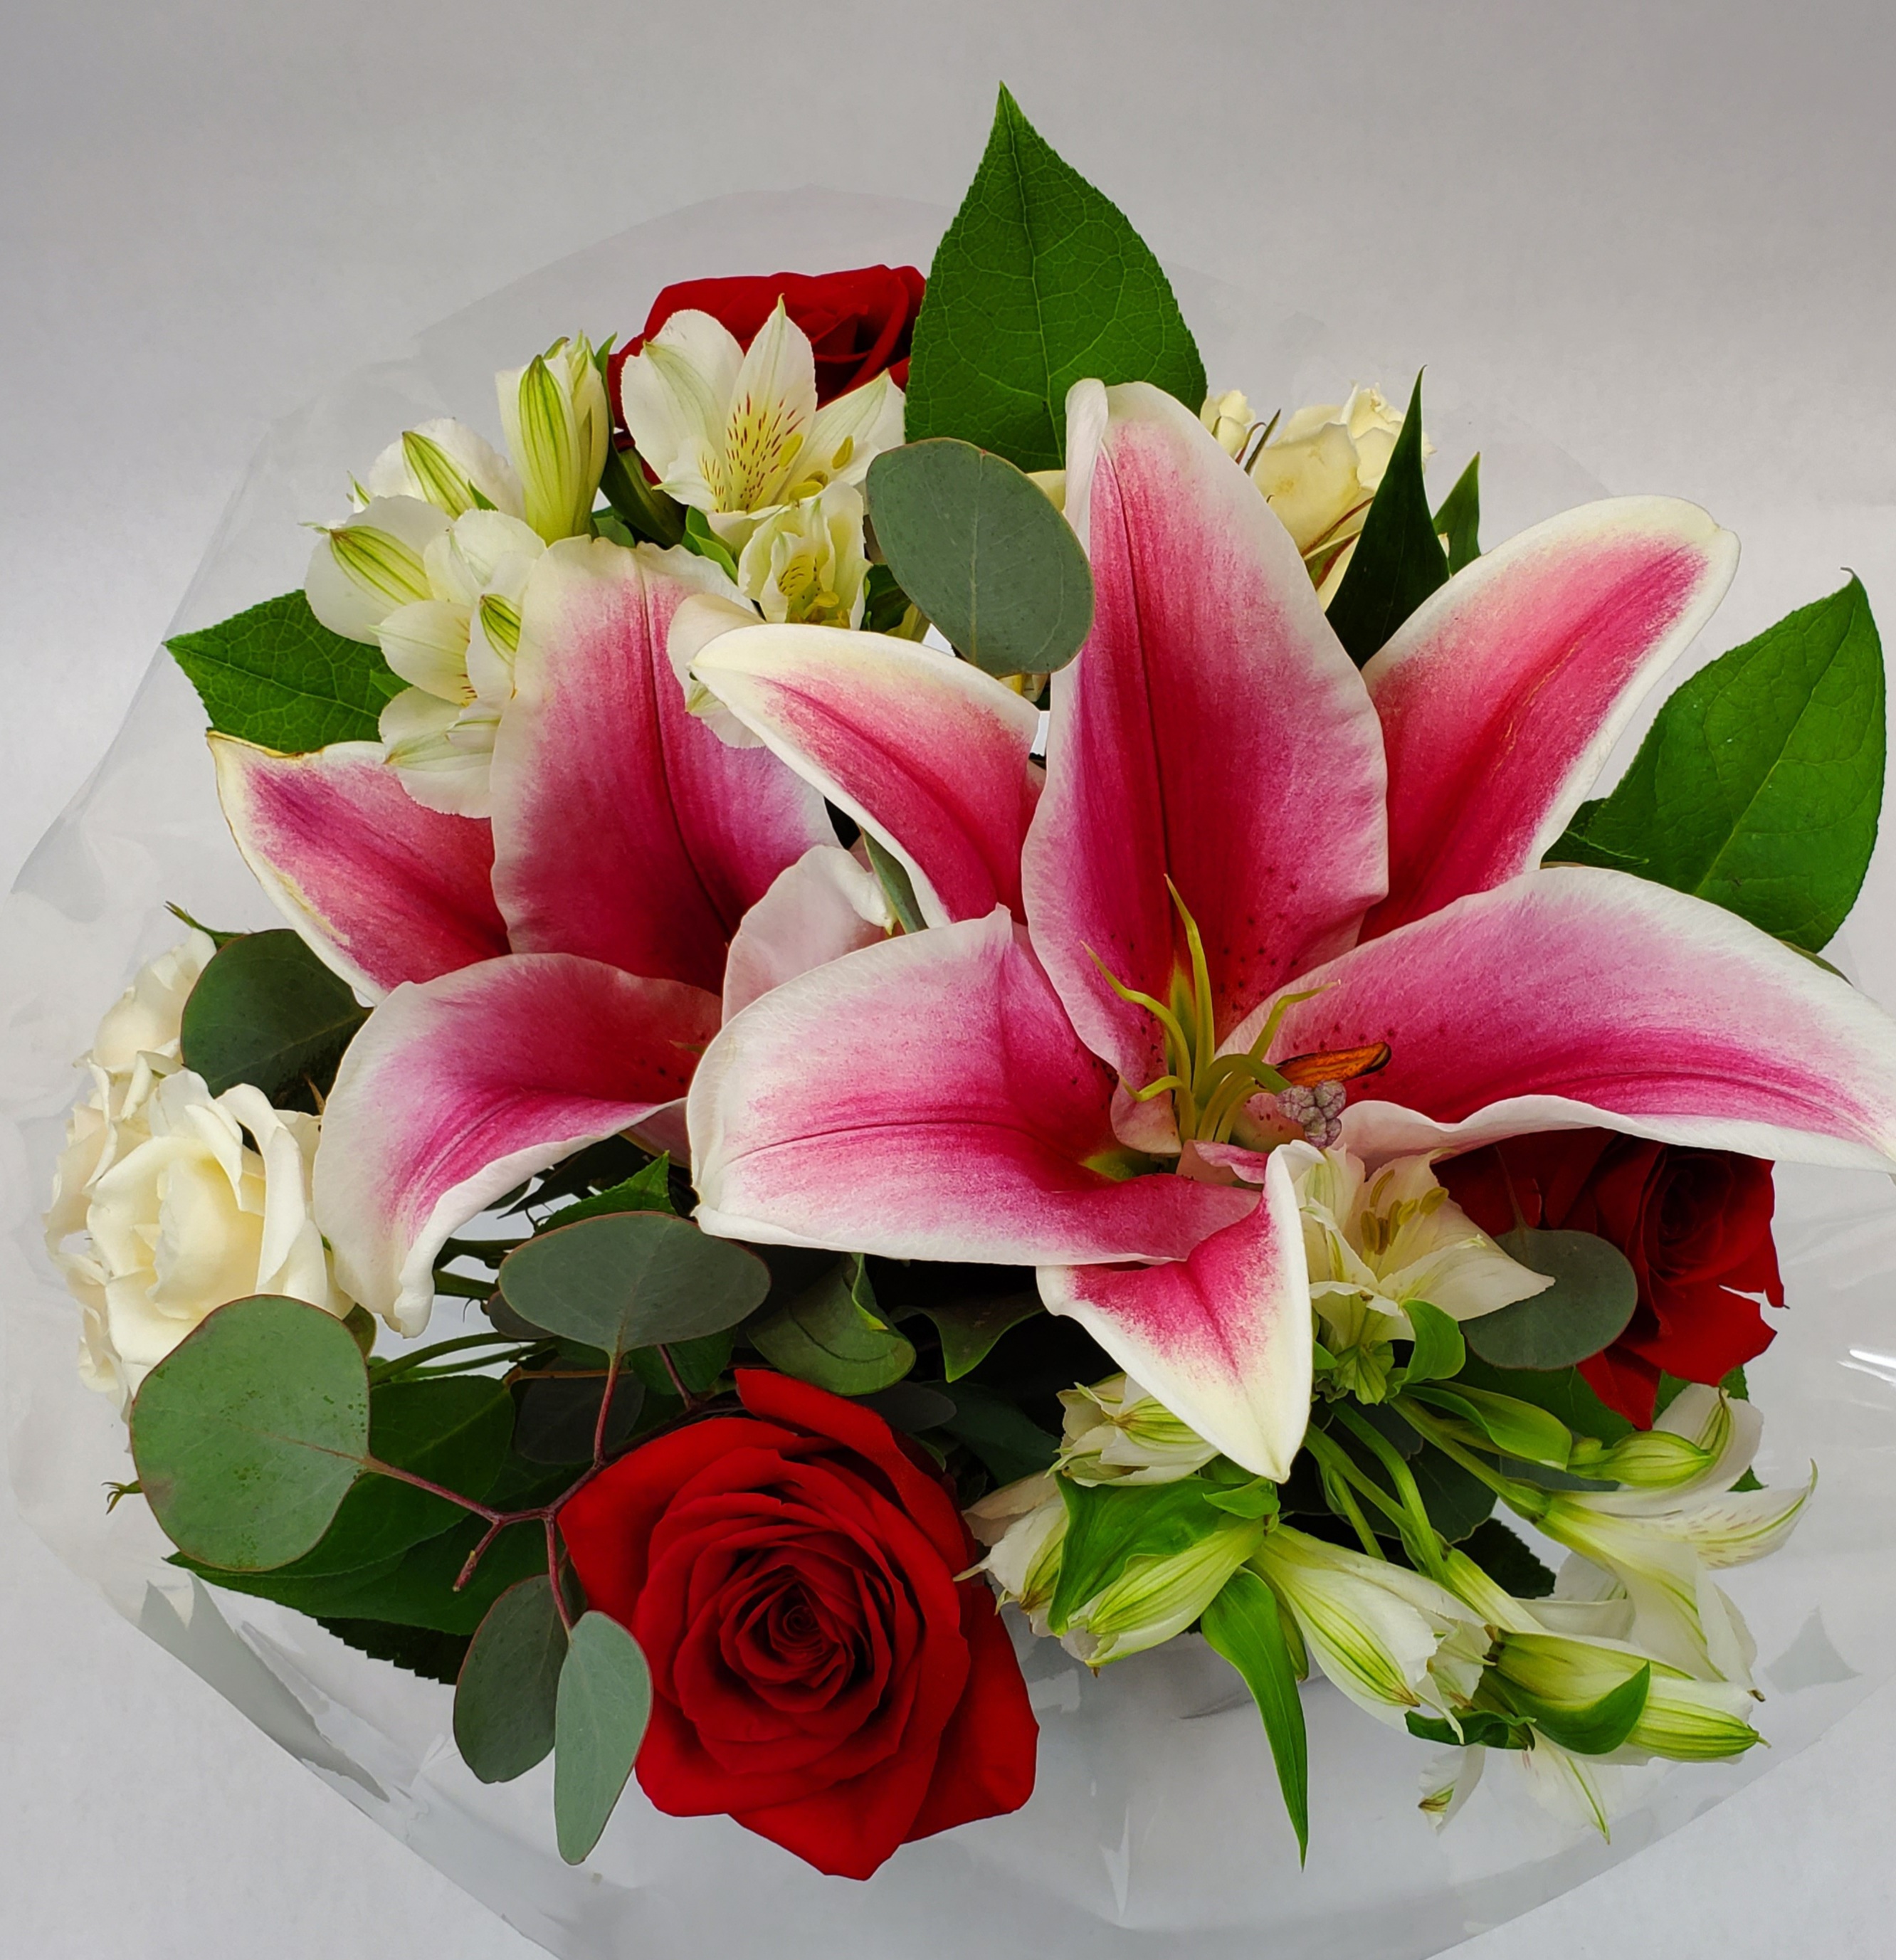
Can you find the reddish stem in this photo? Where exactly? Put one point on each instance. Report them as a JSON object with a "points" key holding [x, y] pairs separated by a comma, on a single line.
{"points": [[381, 1469], [552, 1573], [605, 1411], [474, 1558]]}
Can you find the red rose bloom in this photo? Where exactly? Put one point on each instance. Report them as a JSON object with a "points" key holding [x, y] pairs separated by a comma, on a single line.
{"points": [[817, 1672], [1694, 1225], [859, 323]]}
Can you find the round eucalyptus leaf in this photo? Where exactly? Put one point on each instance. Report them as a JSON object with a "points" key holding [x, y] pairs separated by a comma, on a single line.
{"points": [[979, 550], [267, 1011], [1586, 1308], [509, 1686], [632, 1279], [604, 1701], [248, 1435]]}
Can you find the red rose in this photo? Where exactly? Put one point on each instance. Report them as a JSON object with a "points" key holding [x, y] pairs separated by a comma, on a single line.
{"points": [[859, 323], [1695, 1225], [817, 1670]]}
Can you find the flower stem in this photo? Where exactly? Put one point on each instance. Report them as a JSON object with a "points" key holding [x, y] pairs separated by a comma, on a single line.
{"points": [[401, 1476], [1423, 1542]]}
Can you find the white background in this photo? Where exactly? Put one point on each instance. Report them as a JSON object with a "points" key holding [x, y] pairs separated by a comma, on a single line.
{"points": [[1663, 233]]}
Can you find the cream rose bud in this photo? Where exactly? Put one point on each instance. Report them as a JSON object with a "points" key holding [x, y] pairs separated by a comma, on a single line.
{"points": [[1228, 417]]}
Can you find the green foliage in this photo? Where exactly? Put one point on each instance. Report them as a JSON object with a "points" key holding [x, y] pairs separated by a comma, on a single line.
{"points": [[505, 1697], [1398, 560], [268, 1012], [1759, 786], [632, 1279], [698, 536], [645, 510], [1038, 282], [1481, 1728], [1440, 1349], [603, 1703], [1586, 1309], [1457, 1501], [1243, 1625], [1518, 1428], [277, 677], [1563, 1392], [969, 1329], [979, 550], [1009, 1444], [558, 1416], [1597, 1730], [831, 1334], [898, 887], [416, 1650], [1459, 519], [646, 1190], [698, 1363], [248, 1434], [1110, 1525]]}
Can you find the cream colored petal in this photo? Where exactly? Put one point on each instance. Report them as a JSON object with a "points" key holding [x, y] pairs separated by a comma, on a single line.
{"points": [[675, 393], [426, 643]]}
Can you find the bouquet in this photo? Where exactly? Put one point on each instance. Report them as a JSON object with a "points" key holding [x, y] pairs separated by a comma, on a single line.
{"points": [[994, 981]]}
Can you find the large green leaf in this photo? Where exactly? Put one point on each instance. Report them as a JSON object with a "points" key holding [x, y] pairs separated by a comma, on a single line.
{"points": [[558, 1416], [604, 1701], [1586, 1309], [1760, 785], [969, 1329], [1597, 1730], [1398, 560], [277, 677], [1243, 1625], [419, 1650], [632, 1279], [979, 550], [509, 1685], [831, 1334], [1038, 282], [1009, 1442], [248, 1435], [267, 1011]]}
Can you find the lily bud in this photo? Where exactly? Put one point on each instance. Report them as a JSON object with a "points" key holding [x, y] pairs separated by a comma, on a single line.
{"points": [[1115, 1432], [558, 428]]}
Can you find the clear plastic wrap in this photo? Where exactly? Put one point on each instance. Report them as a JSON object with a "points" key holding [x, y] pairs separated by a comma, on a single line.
{"points": [[1155, 1829]]}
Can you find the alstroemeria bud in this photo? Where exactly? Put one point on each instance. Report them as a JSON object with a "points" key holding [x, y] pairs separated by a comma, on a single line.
{"points": [[444, 463], [1116, 1433], [360, 571], [1023, 1524], [1156, 1597], [558, 428]]}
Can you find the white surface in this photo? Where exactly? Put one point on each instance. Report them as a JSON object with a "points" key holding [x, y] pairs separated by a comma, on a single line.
{"points": [[1663, 233]]}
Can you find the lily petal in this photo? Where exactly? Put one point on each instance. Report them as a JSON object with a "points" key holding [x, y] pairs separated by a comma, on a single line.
{"points": [[384, 890], [925, 1099], [1212, 730], [1222, 1338], [825, 905], [926, 752], [624, 829], [1503, 693], [456, 1090], [1576, 997]]}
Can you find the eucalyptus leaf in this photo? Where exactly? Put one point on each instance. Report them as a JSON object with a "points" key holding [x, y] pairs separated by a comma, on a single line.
{"points": [[558, 1416], [977, 545], [969, 1329], [1008, 1443], [509, 1686], [831, 1336], [1459, 519], [602, 1705], [267, 1011], [1243, 1625], [1759, 785], [248, 1435], [1038, 282], [1398, 560], [1586, 1309], [632, 1279]]}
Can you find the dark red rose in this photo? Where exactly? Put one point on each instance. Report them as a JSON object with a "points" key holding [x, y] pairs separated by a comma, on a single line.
{"points": [[860, 323], [1695, 1225], [817, 1672]]}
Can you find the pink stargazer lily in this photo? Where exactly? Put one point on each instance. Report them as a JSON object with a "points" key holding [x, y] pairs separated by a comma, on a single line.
{"points": [[550, 977], [1244, 849]]}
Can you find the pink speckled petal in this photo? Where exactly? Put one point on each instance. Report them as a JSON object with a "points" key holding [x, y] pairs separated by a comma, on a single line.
{"points": [[1223, 1337], [927, 1099], [1502, 694], [624, 829], [457, 1090], [1211, 730], [383, 890]]}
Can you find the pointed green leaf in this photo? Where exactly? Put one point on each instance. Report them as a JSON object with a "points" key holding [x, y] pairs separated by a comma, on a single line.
{"points": [[248, 1435], [1440, 1348], [646, 1190], [632, 1279], [1759, 785], [969, 1329], [1038, 282], [505, 1698], [1459, 519], [831, 1336], [1398, 560], [277, 676], [1243, 1625], [1594, 1731], [1110, 1525], [267, 1011], [1519, 1428], [1564, 1392], [1586, 1309], [977, 545], [603, 1703], [898, 887]]}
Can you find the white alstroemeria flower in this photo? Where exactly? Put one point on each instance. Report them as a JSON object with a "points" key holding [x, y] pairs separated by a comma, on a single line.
{"points": [[804, 566], [1581, 1789], [1115, 1432], [446, 463], [1024, 1523], [1449, 1782], [559, 430], [1375, 1240], [362, 571], [1320, 471], [1392, 1641], [736, 433]]}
